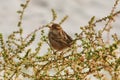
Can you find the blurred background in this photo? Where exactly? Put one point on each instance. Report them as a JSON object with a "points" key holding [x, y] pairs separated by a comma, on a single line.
{"points": [[39, 13]]}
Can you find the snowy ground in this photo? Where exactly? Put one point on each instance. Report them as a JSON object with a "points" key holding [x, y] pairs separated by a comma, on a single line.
{"points": [[39, 13]]}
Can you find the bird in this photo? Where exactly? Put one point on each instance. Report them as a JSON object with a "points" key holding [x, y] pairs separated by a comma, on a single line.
{"points": [[58, 38]]}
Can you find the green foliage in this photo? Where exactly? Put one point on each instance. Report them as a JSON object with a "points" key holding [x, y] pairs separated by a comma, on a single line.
{"points": [[92, 56]]}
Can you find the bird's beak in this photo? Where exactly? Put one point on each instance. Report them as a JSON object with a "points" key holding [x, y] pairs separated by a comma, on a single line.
{"points": [[48, 26]]}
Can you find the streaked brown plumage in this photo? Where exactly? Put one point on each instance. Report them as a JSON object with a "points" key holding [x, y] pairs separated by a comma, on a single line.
{"points": [[58, 38]]}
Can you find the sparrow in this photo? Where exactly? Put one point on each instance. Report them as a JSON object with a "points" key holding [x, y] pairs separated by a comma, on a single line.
{"points": [[58, 38]]}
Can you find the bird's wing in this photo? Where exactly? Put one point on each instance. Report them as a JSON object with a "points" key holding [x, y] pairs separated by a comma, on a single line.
{"points": [[66, 37], [61, 41]]}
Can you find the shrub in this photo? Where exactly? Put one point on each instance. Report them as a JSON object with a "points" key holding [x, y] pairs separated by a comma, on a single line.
{"points": [[89, 55]]}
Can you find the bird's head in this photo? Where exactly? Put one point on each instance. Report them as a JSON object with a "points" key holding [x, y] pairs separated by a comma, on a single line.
{"points": [[55, 26]]}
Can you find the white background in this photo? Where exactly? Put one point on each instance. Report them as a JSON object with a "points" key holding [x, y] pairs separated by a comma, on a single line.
{"points": [[39, 13]]}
